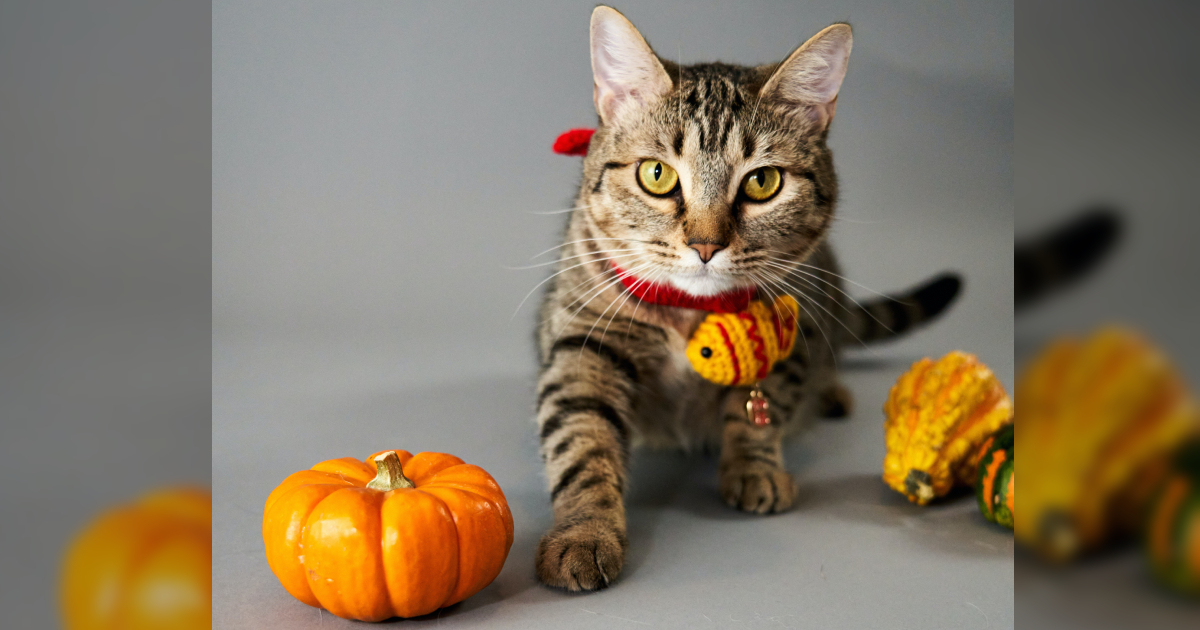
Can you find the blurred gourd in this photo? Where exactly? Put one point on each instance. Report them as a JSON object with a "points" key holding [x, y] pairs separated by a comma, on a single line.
{"points": [[400, 536], [937, 416], [1097, 418], [996, 489], [1173, 529], [143, 566]]}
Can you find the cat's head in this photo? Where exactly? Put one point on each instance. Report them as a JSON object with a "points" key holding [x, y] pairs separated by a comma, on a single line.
{"points": [[706, 176]]}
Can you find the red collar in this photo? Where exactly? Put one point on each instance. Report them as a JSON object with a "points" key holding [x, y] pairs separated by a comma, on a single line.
{"points": [[667, 295]]}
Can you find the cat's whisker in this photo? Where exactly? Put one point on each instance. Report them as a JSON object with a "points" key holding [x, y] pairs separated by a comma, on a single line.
{"points": [[552, 212], [566, 258], [800, 292], [548, 279], [823, 270], [585, 286], [835, 286], [816, 321], [838, 217], [597, 322], [637, 266], [628, 295], [792, 270], [596, 292], [772, 298], [655, 275], [594, 280], [754, 114], [679, 81], [595, 277], [589, 240], [774, 295], [551, 277]]}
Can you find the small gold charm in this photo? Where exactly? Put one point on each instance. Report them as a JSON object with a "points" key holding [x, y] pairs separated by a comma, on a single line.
{"points": [[757, 408]]}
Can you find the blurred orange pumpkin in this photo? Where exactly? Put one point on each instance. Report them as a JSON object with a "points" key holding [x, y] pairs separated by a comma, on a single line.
{"points": [[147, 565], [399, 537]]}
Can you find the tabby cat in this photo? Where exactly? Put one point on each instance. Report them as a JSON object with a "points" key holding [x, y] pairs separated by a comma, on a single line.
{"points": [[709, 179]]}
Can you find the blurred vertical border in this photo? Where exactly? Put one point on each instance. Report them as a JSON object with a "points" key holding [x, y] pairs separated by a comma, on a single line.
{"points": [[1107, 95], [105, 284]]}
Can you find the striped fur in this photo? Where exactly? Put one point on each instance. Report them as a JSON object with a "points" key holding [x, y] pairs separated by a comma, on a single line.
{"points": [[613, 370]]}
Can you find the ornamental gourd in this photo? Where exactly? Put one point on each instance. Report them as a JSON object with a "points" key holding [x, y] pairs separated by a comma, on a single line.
{"points": [[996, 489], [937, 415], [1173, 529], [1096, 416], [400, 536], [147, 565]]}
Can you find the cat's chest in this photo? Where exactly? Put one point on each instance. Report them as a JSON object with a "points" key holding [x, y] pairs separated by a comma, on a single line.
{"points": [[678, 408], [676, 374]]}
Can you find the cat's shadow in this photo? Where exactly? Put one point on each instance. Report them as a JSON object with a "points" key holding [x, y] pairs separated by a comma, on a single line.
{"points": [[689, 484], [951, 524]]}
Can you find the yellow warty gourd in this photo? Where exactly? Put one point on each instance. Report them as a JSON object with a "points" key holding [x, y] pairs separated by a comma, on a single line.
{"points": [[937, 416]]}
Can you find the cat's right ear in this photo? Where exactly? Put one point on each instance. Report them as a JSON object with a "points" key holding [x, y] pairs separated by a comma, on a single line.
{"points": [[626, 72]]}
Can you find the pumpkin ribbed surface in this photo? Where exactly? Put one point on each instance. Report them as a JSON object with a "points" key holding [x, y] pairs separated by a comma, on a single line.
{"points": [[1095, 415], [937, 415], [400, 538]]}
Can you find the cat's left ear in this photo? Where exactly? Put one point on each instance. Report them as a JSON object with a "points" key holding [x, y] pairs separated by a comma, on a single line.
{"points": [[809, 79], [626, 71]]}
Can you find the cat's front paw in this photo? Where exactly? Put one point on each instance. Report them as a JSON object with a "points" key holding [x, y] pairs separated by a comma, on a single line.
{"points": [[581, 556], [758, 488]]}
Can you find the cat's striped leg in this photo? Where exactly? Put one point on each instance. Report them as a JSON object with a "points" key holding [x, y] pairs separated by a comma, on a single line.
{"points": [[584, 405], [752, 476]]}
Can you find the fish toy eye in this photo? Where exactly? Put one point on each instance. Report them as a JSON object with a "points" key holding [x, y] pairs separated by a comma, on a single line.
{"points": [[706, 352]]}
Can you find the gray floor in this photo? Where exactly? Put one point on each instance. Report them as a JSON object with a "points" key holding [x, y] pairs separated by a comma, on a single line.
{"points": [[356, 307], [854, 554]]}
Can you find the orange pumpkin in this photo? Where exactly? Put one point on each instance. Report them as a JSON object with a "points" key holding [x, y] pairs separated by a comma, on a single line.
{"points": [[400, 537], [147, 565]]}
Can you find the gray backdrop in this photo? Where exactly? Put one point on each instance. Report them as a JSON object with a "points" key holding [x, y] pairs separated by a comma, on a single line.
{"points": [[377, 167]]}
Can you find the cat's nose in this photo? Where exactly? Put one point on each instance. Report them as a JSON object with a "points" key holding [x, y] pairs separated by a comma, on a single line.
{"points": [[706, 250]]}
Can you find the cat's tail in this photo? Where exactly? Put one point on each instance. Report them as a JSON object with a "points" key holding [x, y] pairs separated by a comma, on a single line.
{"points": [[1046, 263], [889, 317]]}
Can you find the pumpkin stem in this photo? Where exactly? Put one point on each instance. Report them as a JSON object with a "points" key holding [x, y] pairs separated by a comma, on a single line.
{"points": [[389, 473]]}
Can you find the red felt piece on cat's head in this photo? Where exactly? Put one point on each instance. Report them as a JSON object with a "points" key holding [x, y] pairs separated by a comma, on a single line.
{"points": [[574, 142]]}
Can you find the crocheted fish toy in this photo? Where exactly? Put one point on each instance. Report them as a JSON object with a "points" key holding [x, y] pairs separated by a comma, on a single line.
{"points": [[741, 348]]}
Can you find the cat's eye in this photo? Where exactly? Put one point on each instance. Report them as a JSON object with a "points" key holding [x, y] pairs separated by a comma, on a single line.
{"points": [[657, 178], [762, 183]]}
